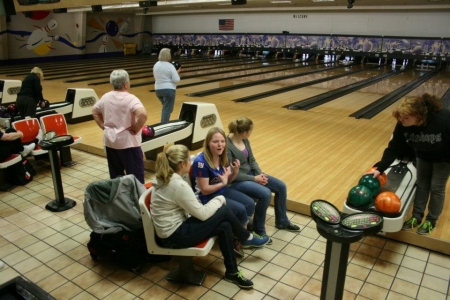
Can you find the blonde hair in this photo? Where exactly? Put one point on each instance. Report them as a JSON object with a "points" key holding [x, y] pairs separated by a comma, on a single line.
{"points": [[420, 107], [207, 152], [240, 125], [168, 162], [164, 55], [37, 70]]}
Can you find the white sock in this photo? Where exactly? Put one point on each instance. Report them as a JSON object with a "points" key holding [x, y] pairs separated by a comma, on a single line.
{"points": [[250, 237]]}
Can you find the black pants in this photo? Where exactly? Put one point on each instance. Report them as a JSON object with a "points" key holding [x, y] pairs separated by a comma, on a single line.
{"points": [[222, 224], [10, 147], [26, 106]]}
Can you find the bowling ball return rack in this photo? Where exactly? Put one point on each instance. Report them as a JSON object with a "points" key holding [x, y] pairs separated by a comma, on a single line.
{"points": [[340, 230], [401, 179]]}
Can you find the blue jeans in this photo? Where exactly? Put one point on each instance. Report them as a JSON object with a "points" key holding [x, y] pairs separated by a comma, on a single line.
{"points": [[167, 98], [240, 204], [222, 224], [431, 181], [264, 194]]}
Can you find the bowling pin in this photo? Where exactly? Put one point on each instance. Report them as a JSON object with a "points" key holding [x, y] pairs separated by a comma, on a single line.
{"points": [[40, 35], [103, 46]]}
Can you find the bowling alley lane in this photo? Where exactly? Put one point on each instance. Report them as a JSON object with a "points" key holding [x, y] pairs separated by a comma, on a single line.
{"points": [[280, 99]]}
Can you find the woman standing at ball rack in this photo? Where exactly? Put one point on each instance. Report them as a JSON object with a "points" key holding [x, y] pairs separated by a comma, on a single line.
{"points": [[30, 94], [166, 77], [423, 125]]}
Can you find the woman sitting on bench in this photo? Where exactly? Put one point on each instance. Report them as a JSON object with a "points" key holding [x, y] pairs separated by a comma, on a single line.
{"points": [[181, 221], [10, 143]]}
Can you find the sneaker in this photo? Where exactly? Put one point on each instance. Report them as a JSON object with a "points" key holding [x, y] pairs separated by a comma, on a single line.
{"points": [[1, 264], [426, 228], [269, 242], [238, 249], [289, 227], [239, 280], [27, 149], [256, 242], [411, 224], [40, 135]]}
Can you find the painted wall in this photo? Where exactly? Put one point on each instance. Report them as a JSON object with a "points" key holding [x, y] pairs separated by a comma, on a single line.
{"points": [[46, 34], [411, 23]]}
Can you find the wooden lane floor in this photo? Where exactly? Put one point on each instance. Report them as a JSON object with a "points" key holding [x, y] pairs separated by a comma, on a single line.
{"points": [[319, 155]]}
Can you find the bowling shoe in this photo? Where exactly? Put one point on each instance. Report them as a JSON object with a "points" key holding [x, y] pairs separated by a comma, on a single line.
{"points": [[411, 224], [27, 149], [426, 228], [239, 279], [288, 227]]}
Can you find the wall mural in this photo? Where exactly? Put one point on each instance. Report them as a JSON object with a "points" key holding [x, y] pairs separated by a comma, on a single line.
{"points": [[43, 33]]}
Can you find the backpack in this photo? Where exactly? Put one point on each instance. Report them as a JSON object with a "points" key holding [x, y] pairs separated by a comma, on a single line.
{"points": [[125, 248], [21, 173]]}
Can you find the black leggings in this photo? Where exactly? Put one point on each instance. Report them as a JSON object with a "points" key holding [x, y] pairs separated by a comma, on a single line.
{"points": [[10, 147]]}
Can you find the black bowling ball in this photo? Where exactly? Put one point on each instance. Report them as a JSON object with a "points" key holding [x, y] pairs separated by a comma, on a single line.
{"points": [[176, 64]]}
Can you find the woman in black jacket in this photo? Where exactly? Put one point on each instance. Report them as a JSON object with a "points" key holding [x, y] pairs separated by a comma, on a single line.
{"points": [[30, 94], [424, 126]]}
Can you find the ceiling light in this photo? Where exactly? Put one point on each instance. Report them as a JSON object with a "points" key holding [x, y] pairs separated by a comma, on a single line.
{"points": [[280, 1], [322, 0]]}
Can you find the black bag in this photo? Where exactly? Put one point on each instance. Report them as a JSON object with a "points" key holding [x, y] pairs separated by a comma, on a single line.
{"points": [[21, 173], [125, 248]]}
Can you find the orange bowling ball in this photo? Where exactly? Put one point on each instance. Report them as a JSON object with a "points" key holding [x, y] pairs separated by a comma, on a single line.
{"points": [[382, 177], [388, 202]]}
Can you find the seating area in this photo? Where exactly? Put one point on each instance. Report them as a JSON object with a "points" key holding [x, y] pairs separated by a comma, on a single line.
{"points": [[57, 123], [185, 272]]}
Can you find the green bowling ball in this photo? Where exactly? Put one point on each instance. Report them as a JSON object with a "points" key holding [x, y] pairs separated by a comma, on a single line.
{"points": [[373, 184], [360, 196]]}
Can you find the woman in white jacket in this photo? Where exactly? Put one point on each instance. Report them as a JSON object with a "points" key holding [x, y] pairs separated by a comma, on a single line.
{"points": [[182, 221]]}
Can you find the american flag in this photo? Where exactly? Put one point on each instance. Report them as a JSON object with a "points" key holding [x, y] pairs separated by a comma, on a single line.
{"points": [[226, 24]]}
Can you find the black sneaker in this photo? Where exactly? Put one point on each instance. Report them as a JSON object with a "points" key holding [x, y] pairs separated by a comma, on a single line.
{"points": [[239, 280], [289, 227]]}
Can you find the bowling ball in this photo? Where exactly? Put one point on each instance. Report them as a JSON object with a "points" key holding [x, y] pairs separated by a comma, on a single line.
{"points": [[12, 109], [2, 111], [382, 177], [147, 131], [359, 196], [44, 104], [388, 202], [373, 184], [176, 64]]}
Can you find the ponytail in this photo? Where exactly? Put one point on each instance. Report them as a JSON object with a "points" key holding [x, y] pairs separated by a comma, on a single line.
{"points": [[240, 125], [168, 162]]}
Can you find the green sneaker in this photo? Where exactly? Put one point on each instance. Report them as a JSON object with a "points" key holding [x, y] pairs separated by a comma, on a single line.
{"points": [[411, 224], [425, 228]]}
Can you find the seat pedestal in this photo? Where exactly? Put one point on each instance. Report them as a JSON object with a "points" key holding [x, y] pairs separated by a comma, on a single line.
{"points": [[185, 272]]}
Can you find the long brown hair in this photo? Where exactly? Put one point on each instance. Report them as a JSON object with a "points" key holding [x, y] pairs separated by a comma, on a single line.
{"points": [[420, 107], [168, 162], [207, 152]]}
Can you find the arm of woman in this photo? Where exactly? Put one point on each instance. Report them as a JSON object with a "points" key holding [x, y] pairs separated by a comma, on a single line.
{"points": [[397, 145], [188, 201], [175, 75], [206, 188], [11, 136], [140, 115], [38, 90], [251, 159]]}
